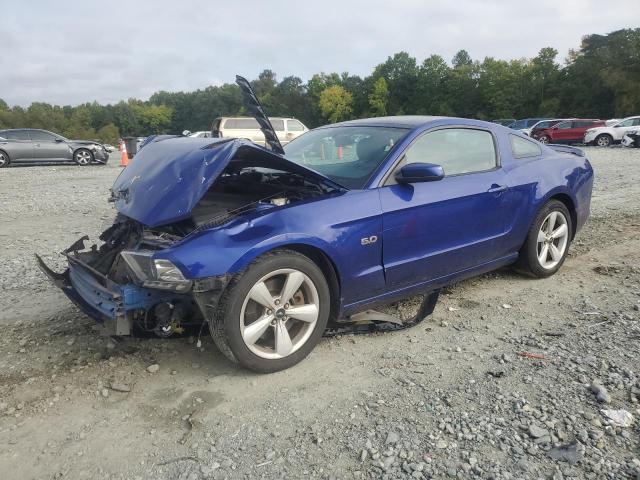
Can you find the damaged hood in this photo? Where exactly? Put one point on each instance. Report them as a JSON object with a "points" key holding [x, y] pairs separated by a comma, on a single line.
{"points": [[169, 176]]}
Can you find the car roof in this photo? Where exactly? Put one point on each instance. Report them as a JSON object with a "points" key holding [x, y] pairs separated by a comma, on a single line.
{"points": [[275, 118], [400, 121]]}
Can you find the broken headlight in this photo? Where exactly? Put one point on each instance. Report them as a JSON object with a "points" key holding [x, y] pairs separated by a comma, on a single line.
{"points": [[155, 273]]}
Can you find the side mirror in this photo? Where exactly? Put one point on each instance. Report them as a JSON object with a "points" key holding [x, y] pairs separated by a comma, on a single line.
{"points": [[419, 172], [58, 140], [186, 133]]}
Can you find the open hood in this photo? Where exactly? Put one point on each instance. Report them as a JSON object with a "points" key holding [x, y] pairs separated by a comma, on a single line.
{"points": [[169, 175]]}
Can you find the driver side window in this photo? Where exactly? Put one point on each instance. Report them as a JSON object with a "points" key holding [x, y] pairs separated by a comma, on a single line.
{"points": [[457, 150]]}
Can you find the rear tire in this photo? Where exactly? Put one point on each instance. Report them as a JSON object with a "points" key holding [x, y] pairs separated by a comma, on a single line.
{"points": [[256, 326], [83, 157], [4, 159], [604, 140], [547, 244]]}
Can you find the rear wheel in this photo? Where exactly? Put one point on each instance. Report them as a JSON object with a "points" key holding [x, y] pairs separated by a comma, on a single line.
{"points": [[4, 159], [604, 140], [274, 313], [83, 157], [547, 243], [543, 139]]}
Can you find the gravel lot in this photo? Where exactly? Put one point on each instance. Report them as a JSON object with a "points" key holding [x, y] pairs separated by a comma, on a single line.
{"points": [[507, 380]]}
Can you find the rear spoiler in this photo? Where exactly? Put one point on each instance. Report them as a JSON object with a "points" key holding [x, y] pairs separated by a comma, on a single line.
{"points": [[567, 149]]}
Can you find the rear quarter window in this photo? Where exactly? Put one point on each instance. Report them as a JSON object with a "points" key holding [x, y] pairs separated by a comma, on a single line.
{"points": [[522, 148]]}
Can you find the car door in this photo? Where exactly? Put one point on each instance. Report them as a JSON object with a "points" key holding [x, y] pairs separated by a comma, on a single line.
{"points": [[579, 128], [48, 147], [437, 228], [18, 146], [563, 131]]}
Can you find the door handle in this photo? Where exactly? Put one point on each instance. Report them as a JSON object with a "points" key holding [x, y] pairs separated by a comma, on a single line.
{"points": [[495, 188]]}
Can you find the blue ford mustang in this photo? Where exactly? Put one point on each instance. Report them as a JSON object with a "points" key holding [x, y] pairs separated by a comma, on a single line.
{"points": [[272, 249]]}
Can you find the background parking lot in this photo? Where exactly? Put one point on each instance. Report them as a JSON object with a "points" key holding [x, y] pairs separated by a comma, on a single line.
{"points": [[457, 395]]}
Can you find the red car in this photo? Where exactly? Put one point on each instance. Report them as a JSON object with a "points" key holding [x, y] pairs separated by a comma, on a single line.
{"points": [[569, 131]]}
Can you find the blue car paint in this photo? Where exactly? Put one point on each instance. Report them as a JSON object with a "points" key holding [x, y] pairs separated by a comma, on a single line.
{"points": [[426, 235], [171, 174], [475, 222]]}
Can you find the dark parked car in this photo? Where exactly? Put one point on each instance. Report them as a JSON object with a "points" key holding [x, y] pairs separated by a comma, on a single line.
{"points": [[270, 247], [33, 145], [504, 121], [569, 131]]}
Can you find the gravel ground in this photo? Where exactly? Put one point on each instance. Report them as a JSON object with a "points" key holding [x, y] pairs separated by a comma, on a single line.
{"points": [[510, 378]]}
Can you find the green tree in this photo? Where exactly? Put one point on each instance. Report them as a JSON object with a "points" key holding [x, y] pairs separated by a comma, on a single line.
{"points": [[401, 73], [336, 103], [379, 98], [432, 87], [109, 134]]}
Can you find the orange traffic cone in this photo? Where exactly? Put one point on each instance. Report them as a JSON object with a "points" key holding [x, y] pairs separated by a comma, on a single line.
{"points": [[124, 157]]}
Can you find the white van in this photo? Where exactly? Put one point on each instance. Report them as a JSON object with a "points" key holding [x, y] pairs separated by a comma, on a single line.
{"points": [[247, 127]]}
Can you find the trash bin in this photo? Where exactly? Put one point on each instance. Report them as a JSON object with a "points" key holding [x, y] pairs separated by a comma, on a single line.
{"points": [[132, 146]]}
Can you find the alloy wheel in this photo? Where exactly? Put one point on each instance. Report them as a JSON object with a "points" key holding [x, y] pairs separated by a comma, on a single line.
{"points": [[544, 139], [603, 141], [3, 160], [279, 313], [553, 239], [83, 157]]}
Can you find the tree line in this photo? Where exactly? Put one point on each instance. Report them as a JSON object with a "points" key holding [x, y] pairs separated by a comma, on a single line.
{"points": [[601, 79]]}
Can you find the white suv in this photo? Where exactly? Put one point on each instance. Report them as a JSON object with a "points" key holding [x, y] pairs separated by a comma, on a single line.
{"points": [[605, 136], [247, 127]]}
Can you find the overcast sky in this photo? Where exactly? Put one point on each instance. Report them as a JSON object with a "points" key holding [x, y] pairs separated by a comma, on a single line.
{"points": [[75, 51]]}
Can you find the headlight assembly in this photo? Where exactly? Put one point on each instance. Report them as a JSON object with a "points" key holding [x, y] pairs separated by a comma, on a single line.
{"points": [[155, 273]]}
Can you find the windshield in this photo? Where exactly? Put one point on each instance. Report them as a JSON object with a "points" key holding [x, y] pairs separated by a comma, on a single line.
{"points": [[346, 155]]}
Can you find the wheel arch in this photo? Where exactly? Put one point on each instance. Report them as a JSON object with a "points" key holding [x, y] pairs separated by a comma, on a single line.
{"points": [[2, 150], [570, 204], [329, 269], [322, 259], [77, 149]]}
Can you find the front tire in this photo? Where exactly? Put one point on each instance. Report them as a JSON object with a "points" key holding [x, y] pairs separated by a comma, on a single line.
{"points": [[547, 243], [543, 139], [273, 313], [4, 159], [604, 140], [83, 157]]}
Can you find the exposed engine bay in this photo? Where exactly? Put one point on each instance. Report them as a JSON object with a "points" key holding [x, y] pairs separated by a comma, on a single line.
{"points": [[241, 189]]}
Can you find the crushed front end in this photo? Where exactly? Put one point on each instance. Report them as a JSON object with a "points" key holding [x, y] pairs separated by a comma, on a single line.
{"points": [[189, 209], [124, 288]]}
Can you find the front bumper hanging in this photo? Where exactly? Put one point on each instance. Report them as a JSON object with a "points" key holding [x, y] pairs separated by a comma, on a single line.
{"points": [[111, 304]]}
